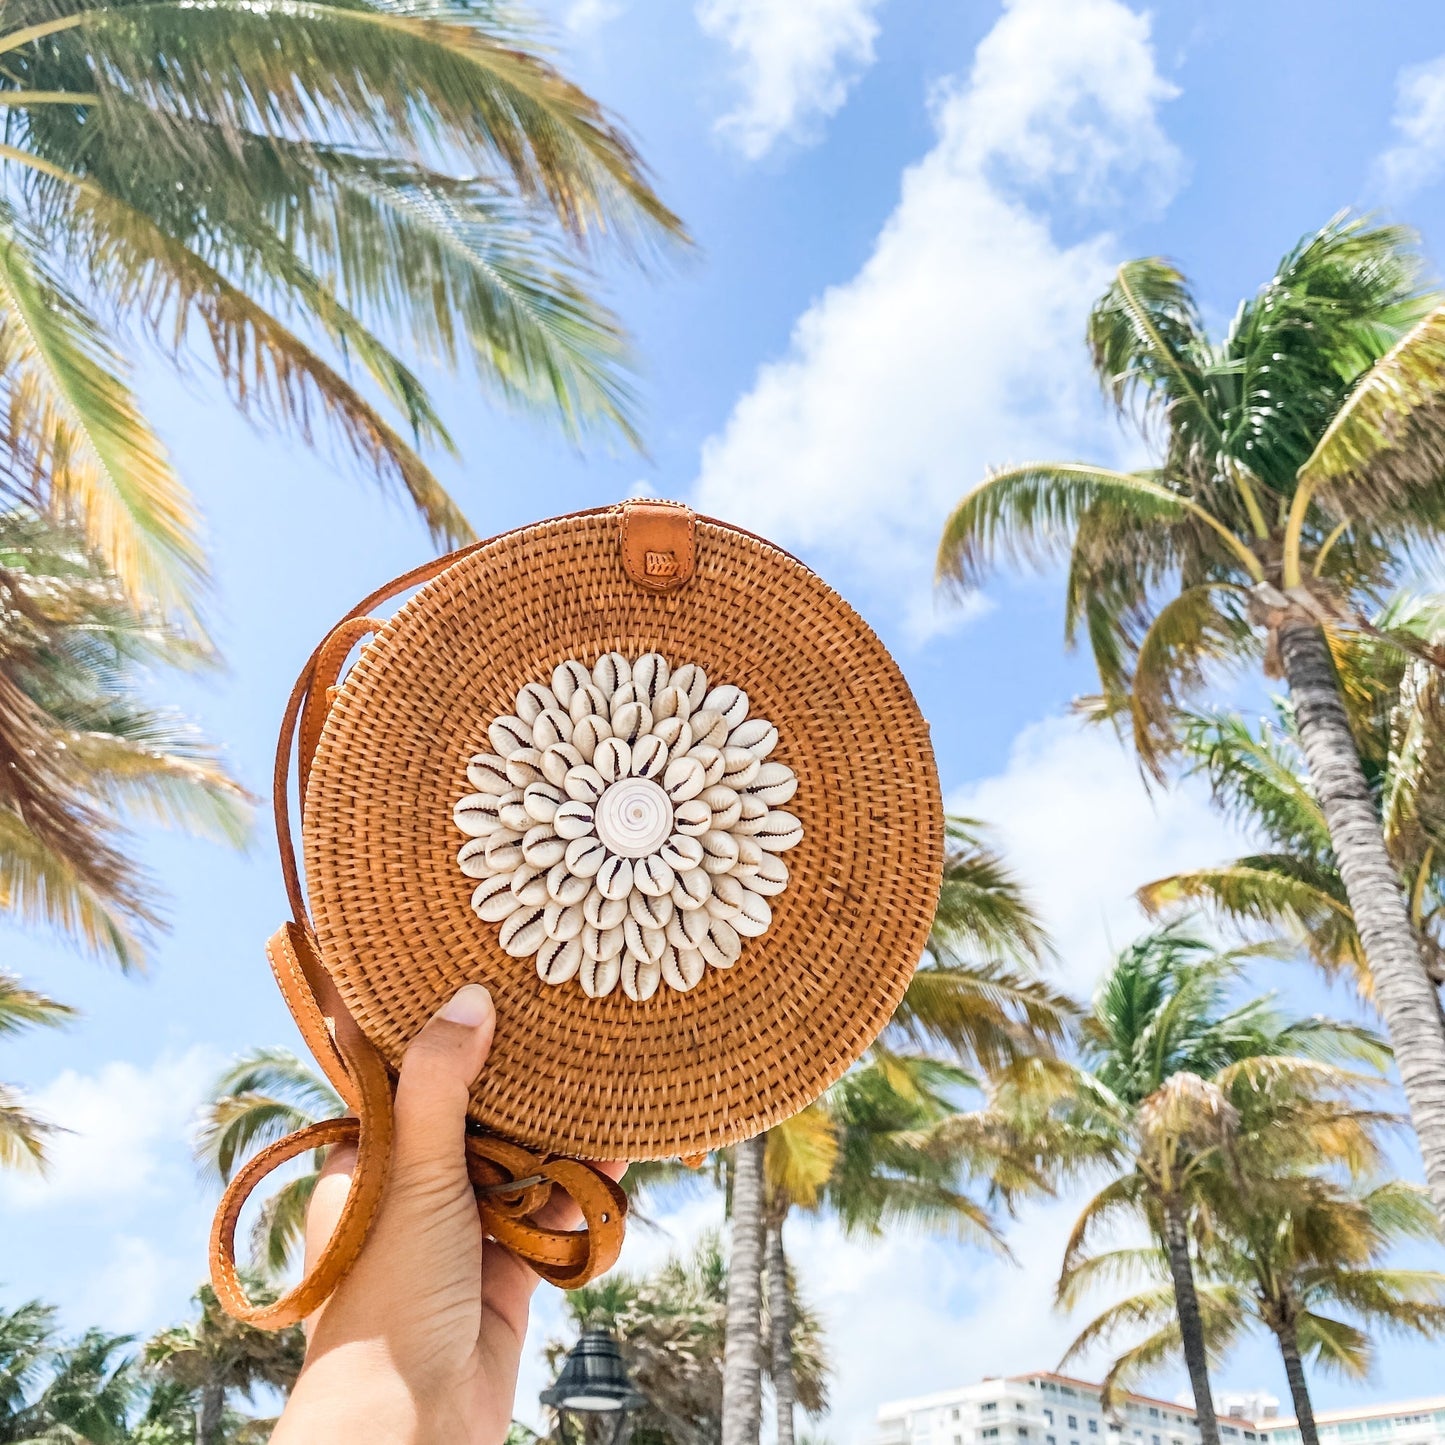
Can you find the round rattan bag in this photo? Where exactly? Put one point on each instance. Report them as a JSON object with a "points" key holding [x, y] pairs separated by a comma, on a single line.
{"points": [[661, 790]]}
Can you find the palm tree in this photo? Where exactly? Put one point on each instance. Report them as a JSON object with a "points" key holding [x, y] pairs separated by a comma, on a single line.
{"points": [[1258, 774], [292, 183], [22, 1133], [92, 1390], [27, 1343], [670, 1326], [214, 1356], [81, 749], [975, 999], [1299, 464], [1171, 1082], [1302, 1262], [259, 1098]]}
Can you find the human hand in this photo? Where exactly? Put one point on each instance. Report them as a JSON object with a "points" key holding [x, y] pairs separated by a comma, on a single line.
{"points": [[421, 1342]]}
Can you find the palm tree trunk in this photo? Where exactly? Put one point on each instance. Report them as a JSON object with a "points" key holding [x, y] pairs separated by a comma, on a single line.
{"points": [[743, 1353], [1299, 1390], [210, 1417], [1406, 997], [780, 1320], [1191, 1322]]}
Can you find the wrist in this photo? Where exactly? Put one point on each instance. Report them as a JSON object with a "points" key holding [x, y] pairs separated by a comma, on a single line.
{"points": [[353, 1394]]}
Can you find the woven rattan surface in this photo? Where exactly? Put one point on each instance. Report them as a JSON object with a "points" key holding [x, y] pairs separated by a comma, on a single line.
{"points": [[682, 1072]]}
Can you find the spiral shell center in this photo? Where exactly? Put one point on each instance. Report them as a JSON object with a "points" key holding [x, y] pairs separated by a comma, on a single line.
{"points": [[634, 817]]}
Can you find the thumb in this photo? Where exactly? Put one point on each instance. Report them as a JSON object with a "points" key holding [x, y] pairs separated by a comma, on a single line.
{"points": [[434, 1085]]}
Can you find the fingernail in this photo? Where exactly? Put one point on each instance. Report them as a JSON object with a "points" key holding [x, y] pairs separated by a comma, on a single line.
{"points": [[470, 1005]]}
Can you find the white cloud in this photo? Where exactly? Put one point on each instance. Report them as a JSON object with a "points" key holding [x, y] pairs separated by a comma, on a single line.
{"points": [[126, 1131], [959, 343], [137, 1286], [796, 62], [1419, 157], [1075, 821], [582, 17]]}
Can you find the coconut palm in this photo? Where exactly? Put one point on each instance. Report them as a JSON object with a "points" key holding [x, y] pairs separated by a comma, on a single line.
{"points": [[1258, 774], [1298, 469], [23, 1133], [670, 1327], [1303, 1261], [1172, 1082], [83, 752], [89, 1396], [215, 1356], [292, 186], [28, 1340]]}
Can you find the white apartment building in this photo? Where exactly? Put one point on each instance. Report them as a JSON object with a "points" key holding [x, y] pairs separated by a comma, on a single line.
{"points": [[1052, 1409]]}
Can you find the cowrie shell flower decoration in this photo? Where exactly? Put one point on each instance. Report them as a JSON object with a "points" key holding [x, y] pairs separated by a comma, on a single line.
{"points": [[627, 827]]}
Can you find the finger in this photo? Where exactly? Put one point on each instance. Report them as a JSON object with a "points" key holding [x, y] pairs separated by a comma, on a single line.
{"points": [[434, 1085]]}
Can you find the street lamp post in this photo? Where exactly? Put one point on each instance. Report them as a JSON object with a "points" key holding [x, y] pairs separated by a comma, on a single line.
{"points": [[594, 1385]]}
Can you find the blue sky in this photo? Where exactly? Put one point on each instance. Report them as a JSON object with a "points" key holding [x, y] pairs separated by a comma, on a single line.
{"points": [[903, 210]]}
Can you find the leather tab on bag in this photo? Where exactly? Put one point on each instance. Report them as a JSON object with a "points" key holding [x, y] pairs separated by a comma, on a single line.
{"points": [[659, 544]]}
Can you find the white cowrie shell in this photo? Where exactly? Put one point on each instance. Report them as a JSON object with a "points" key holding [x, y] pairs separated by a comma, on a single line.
{"points": [[585, 785], [487, 773], [610, 671], [529, 885], [740, 767], [774, 784], [675, 733], [585, 856], [730, 701], [650, 676], [651, 912], [777, 832], [756, 734], [472, 857], [719, 852], [614, 877], [685, 928], [601, 942], [604, 913], [646, 943], [683, 968], [558, 961], [542, 848], [710, 727], [726, 806], [768, 878], [692, 889], [573, 820], [515, 817], [599, 976], [587, 701], [754, 916], [541, 800], [749, 854], [631, 721], [558, 761], [727, 897], [649, 756], [753, 809], [720, 945], [563, 920], [683, 778], [589, 735], [671, 702], [712, 762], [551, 727], [625, 694], [613, 759], [681, 852], [508, 733], [532, 697], [566, 888], [691, 681], [692, 818], [504, 851], [639, 977], [652, 876], [521, 932], [567, 678], [493, 900], [478, 814], [525, 766]]}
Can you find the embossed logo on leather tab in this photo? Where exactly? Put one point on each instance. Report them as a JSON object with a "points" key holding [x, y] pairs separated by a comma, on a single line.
{"points": [[660, 564]]}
